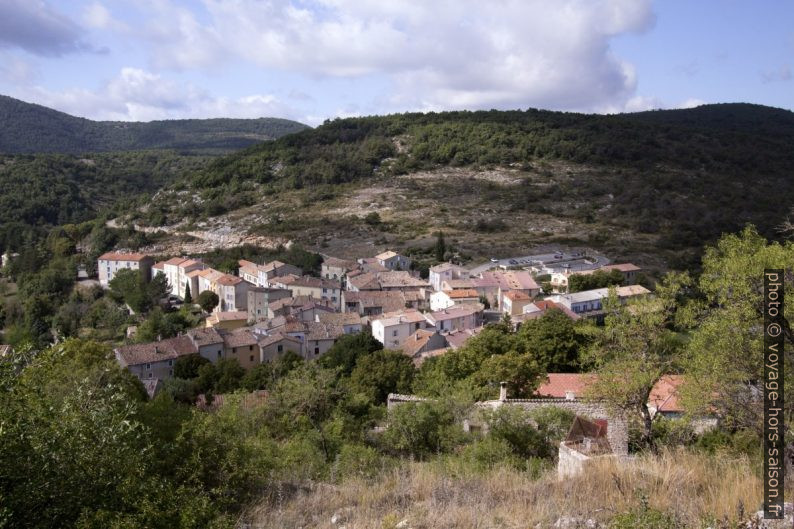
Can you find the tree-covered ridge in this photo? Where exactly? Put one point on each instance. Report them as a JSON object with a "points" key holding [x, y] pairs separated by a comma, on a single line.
{"points": [[686, 176], [725, 137], [54, 189], [29, 128]]}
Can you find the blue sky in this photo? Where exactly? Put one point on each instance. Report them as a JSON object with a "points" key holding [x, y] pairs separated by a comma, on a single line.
{"points": [[312, 60]]}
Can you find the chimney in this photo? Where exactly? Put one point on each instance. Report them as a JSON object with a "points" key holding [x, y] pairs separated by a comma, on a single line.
{"points": [[502, 391], [156, 350], [570, 395]]}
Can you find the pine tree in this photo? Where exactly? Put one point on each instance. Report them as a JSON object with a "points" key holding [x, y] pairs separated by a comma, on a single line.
{"points": [[188, 297], [441, 247]]}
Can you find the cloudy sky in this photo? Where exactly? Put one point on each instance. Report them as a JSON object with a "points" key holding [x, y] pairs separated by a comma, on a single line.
{"points": [[316, 59]]}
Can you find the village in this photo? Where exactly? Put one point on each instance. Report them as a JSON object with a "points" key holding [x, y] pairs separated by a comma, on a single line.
{"points": [[271, 308]]}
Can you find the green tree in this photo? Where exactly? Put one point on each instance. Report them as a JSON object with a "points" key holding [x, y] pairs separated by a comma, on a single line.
{"points": [[188, 366], [636, 348], [554, 340], [347, 351], [598, 279], [188, 298], [208, 300], [441, 247], [383, 372], [725, 357]]}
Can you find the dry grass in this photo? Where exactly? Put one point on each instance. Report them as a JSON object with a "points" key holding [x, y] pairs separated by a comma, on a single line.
{"points": [[692, 487]]}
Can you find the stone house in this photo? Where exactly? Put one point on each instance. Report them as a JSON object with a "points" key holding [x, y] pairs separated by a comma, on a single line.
{"points": [[110, 263]]}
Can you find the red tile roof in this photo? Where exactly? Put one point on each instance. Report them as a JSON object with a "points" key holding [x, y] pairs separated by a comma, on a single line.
{"points": [[115, 256]]}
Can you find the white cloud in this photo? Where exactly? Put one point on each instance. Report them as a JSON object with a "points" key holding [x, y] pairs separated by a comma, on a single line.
{"points": [[438, 55], [96, 15], [35, 27], [692, 102], [138, 95], [16, 71]]}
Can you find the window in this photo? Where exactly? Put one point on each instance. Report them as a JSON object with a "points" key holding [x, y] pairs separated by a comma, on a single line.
{"points": [[148, 366], [280, 348], [325, 291], [170, 362], [250, 347], [171, 372], [220, 353], [394, 332], [251, 358], [150, 374], [316, 350]]}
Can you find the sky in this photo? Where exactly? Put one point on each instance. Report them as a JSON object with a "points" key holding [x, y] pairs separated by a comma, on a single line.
{"points": [[312, 60]]}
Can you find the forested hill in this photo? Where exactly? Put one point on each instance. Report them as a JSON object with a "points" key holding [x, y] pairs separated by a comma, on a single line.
{"points": [[30, 128], [678, 177], [734, 138]]}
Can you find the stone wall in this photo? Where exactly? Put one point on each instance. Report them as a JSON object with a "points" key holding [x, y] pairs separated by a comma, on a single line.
{"points": [[617, 426]]}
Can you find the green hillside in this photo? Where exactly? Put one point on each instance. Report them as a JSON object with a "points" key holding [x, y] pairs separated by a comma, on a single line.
{"points": [[678, 178], [30, 128], [44, 190]]}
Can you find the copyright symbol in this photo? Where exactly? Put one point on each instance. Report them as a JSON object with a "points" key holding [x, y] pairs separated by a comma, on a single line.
{"points": [[773, 330]]}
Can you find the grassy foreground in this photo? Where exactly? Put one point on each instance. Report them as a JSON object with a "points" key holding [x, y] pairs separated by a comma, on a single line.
{"points": [[674, 489]]}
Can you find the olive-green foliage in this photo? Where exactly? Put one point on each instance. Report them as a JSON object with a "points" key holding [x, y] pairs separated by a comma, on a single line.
{"points": [[555, 340], [208, 300], [382, 372], [45, 190], [133, 288], [188, 366], [347, 351], [637, 347], [421, 429], [550, 344], [227, 259], [726, 350], [598, 279]]}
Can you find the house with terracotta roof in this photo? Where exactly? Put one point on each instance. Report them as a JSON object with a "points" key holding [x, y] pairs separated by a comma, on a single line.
{"points": [[392, 328], [243, 346], [456, 318], [333, 268], [320, 337], [154, 360], [350, 322], [362, 282], [273, 346], [458, 338], [317, 288], [274, 269], [181, 272], [446, 272], [110, 263], [506, 280], [514, 301], [259, 298], [422, 341], [227, 320], [589, 302], [538, 308], [663, 399], [232, 292], [372, 303], [393, 261], [447, 298], [207, 342]]}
